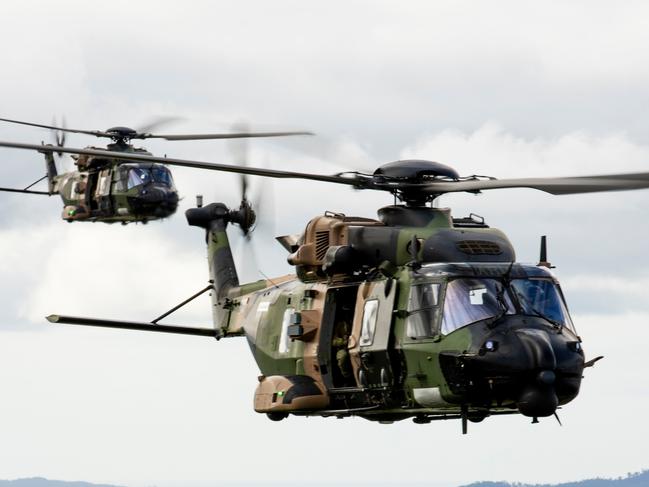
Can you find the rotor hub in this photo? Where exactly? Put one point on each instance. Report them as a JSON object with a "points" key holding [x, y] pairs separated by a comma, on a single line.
{"points": [[416, 170], [405, 175], [121, 133], [245, 217]]}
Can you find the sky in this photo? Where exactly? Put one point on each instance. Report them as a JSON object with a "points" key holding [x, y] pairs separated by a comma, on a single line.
{"points": [[504, 88]]}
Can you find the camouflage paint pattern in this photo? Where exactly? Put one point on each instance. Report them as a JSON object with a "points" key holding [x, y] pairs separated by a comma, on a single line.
{"points": [[99, 191], [395, 376]]}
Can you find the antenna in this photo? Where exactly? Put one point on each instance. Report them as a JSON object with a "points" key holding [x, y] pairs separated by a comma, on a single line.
{"points": [[543, 258]]}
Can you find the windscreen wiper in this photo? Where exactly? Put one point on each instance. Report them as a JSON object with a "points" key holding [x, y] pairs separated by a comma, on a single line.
{"points": [[536, 312]]}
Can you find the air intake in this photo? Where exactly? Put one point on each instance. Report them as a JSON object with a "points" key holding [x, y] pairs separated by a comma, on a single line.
{"points": [[479, 247], [321, 244]]}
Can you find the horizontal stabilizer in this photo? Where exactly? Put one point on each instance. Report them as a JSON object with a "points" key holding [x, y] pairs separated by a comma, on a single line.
{"points": [[130, 325], [27, 191]]}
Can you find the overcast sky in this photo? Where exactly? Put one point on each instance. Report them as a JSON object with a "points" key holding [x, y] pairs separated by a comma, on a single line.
{"points": [[500, 88]]}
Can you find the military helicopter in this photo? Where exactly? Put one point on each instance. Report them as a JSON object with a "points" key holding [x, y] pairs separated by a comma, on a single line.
{"points": [[109, 188], [416, 314]]}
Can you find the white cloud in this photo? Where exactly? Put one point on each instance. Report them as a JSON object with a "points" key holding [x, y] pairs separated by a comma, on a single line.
{"points": [[506, 89]]}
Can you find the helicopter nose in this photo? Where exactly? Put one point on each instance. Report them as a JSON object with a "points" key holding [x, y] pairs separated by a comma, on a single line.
{"points": [[527, 365], [539, 398], [160, 200], [517, 351], [538, 352], [533, 358]]}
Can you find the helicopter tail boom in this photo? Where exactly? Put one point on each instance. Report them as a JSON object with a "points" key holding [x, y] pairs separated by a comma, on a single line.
{"points": [[214, 218]]}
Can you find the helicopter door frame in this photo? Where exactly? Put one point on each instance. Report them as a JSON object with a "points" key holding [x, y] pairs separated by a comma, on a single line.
{"points": [[369, 344], [338, 300], [103, 191]]}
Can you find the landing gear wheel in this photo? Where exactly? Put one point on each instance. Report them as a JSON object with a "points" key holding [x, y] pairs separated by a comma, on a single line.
{"points": [[476, 417], [277, 416]]}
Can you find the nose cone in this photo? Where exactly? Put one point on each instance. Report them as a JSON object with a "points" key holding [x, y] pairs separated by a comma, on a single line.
{"points": [[526, 364], [520, 349], [538, 398], [157, 201]]}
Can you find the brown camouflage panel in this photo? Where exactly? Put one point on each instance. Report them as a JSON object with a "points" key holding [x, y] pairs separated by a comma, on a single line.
{"points": [[286, 394]]}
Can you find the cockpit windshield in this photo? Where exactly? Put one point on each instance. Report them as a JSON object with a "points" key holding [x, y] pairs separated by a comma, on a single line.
{"points": [[140, 175], [467, 300], [162, 175], [541, 297]]}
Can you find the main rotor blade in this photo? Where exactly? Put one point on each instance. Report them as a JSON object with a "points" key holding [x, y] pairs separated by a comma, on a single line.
{"points": [[235, 135], [556, 186], [96, 133], [154, 123], [355, 180]]}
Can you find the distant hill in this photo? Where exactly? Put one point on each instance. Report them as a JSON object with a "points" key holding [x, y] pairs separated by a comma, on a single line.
{"points": [[632, 480], [41, 482]]}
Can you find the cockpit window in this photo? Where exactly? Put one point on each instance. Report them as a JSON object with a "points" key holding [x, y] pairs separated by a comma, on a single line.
{"points": [[541, 297], [470, 300], [138, 176], [423, 311], [162, 175]]}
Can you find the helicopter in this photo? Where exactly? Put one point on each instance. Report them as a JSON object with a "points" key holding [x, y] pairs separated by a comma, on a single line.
{"points": [[111, 189], [417, 314]]}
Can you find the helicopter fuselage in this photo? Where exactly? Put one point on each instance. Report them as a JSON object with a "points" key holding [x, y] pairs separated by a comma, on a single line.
{"points": [[371, 327], [415, 315], [427, 343], [116, 191]]}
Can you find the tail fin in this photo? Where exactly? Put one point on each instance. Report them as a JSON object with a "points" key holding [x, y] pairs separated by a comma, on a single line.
{"points": [[51, 171], [214, 218]]}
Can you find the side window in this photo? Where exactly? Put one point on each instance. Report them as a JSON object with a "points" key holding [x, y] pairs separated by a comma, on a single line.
{"points": [[368, 327], [284, 341], [103, 188], [423, 311], [120, 178]]}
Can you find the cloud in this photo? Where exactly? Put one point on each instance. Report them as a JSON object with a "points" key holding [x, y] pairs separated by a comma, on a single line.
{"points": [[508, 89]]}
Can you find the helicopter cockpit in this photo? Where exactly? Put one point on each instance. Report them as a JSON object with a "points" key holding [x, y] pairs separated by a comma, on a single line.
{"points": [[137, 175], [447, 297], [145, 190]]}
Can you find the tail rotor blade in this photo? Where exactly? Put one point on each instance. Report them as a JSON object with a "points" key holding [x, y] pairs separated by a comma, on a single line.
{"points": [[264, 205], [59, 133], [239, 150]]}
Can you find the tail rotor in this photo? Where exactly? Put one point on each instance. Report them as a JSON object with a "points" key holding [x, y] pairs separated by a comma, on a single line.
{"points": [[59, 134], [245, 216]]}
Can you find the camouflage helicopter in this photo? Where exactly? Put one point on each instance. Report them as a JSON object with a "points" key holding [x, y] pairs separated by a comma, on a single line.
{"points": [[108, 188], [416, 314]]}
